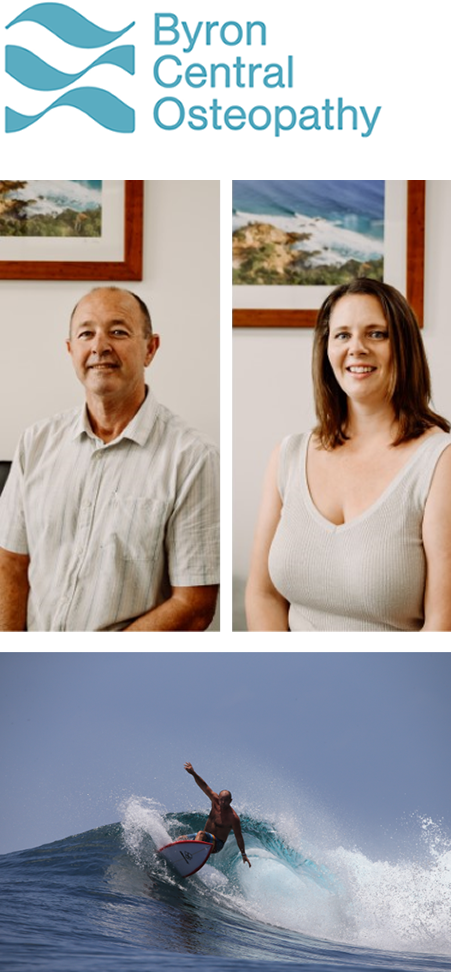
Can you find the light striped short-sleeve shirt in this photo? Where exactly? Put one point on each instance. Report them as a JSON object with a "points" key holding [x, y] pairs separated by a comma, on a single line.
{"points": [[110, 528]]}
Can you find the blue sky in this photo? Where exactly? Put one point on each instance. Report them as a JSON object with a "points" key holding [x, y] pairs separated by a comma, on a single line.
{"points": [[359, 739]]}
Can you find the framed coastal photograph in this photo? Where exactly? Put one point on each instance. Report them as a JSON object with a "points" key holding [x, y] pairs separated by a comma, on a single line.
{"points": [[294, 241], [71, 230]]}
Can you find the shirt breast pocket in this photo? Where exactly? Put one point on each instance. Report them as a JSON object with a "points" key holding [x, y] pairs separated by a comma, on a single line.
{"points": [[138, 527]]}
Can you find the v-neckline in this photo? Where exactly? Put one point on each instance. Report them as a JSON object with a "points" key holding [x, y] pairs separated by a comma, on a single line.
{"points": [[329, 524]]}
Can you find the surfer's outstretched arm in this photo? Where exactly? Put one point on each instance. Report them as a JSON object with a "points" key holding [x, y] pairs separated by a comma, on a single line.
{"points": [[240, 841], [200, 782]]}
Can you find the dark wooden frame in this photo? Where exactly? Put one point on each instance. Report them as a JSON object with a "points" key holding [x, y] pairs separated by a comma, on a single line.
{"points": [[416, 191], [130, 268]]}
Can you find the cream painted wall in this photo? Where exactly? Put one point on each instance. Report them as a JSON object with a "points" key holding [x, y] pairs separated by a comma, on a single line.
{"points": [[181, 287], [272, 384]]}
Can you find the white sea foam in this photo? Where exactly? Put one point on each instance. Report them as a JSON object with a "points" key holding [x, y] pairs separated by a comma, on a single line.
{"points": [[389, 906], [329, 242], [143, 818], [211, 877], [51, 198], [368, 902]]}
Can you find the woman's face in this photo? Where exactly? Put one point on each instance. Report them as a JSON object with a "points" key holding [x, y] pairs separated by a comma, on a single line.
{"points": [[359, 348]]}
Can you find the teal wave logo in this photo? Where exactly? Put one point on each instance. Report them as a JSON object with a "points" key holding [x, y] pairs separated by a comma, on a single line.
{"points": [[70, 26], [102, 106], [31, 71]]}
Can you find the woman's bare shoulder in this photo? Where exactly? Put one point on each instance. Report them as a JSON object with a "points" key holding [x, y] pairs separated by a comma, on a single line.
{"points": [[277, 462], [284, 444], [443, 467], [439, 498]]}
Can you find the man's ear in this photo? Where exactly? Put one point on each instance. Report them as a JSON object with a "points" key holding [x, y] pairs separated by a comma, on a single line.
{"points": [[152, 347]]}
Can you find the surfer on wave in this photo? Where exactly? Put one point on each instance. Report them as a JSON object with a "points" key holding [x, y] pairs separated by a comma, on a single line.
{"points": [[222, 819]]}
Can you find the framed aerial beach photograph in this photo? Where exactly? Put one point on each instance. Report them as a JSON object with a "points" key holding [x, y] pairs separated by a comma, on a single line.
{"points": [[293, 241], [71, 230]]}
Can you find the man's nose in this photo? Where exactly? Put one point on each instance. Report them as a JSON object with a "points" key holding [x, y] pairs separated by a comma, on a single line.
{"points": [[101, 344]]}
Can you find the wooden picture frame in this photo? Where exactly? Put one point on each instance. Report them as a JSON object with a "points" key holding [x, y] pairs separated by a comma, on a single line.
{"points": [[128, 268], [416, 192]]}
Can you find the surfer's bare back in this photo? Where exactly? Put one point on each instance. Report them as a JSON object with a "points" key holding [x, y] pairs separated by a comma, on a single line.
{"points": [[222, 818]]}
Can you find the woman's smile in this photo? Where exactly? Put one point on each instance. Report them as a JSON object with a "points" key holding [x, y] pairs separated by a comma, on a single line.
{"points": [[360, 372]]}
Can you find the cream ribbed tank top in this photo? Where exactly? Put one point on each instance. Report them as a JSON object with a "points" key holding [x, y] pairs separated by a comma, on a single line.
{"points": [[365, 575]]}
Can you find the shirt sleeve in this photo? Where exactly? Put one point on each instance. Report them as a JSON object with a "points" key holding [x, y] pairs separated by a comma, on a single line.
{"points": [[192, 534], [13, 531]]}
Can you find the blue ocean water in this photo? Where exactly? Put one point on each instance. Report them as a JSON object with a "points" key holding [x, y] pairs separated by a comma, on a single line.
{"points": [[333, 199], [104, 901], [342, 219], [89, 183]]}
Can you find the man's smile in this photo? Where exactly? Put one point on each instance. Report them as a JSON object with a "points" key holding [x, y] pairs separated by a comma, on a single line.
{"points": [[103, 366]]}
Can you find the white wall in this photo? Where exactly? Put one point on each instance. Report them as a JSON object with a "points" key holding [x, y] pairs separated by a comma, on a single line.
{"points": [[181, 287], [272, 383]]}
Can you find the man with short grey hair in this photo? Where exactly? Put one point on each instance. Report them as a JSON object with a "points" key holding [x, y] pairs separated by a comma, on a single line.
{"points": [[221, 819], [109, 520]]}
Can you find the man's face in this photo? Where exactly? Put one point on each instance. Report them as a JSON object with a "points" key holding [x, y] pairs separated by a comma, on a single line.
{"points": [[224, 799], [107, 344]]}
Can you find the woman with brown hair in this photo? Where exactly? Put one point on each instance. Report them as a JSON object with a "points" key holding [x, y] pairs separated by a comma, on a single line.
{"points": [[354, 531]]}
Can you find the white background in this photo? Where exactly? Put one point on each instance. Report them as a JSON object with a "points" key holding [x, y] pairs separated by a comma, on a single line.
{"points": [[394, 55]]}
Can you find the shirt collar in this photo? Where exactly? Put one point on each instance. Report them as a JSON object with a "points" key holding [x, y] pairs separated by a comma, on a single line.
{"points": [[138, 428]]}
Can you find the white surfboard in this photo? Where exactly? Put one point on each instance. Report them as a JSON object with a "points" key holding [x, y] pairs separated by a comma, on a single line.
{"points": [[187, 856]]}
